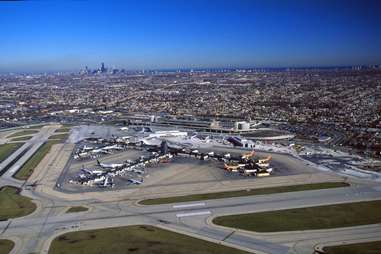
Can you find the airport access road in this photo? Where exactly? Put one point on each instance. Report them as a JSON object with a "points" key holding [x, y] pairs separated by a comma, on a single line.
{"points": [[194, 219]]}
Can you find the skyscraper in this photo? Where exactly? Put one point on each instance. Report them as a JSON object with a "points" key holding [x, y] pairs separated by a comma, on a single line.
{"points": [[103, 69]]}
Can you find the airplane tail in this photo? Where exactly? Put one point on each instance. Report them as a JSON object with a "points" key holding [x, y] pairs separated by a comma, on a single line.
{"points": [[267, 159], [248, 155]]}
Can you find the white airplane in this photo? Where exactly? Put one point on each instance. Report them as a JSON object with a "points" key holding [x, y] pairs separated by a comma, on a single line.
{"points": [[110, 166], [263, 165], [269, 170], [100, 150], [267, 159], [85, 148], [107, 182], [134, 181], [195, 151], [92, 172], [81, 155], [113, 147], [100, 179]]}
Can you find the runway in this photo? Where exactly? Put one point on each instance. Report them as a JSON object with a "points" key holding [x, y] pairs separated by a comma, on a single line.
{"points": [[51, 222], [25, 151]]}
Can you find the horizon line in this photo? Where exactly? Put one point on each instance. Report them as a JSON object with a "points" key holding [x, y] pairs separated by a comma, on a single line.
{"points": [[198, 68]]}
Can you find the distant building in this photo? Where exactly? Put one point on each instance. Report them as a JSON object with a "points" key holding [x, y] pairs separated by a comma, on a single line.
{"points": [[241, 126], [103, 69]]}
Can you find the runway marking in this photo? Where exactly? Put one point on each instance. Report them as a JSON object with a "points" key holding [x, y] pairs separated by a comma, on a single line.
{"points": [[229, 235], [180, 215], [5, 228], [189, 205]]}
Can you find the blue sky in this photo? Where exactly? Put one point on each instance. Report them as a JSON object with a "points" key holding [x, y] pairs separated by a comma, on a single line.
{"points": [[67, 35]]}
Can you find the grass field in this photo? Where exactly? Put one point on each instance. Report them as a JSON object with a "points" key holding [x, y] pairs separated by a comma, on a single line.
{"points": [[8, 149], [6, 246], [22, 133], [309, 218], [27, 169], [14, 205], [59, 136], [75, 209], [134, 239], [39, 126], [22, 138], [240, 193], [358, 248], [63, 129]]}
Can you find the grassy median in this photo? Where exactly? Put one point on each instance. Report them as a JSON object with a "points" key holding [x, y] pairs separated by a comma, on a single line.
{"points": [[6, 246], [8, 149], [63, 129], [22, 133], [39, 126], [242, 193], [59, 136], [13, 205], [21, 138], [27, 169], [309, 218], [76, 209], [134, 239], [357, 248]]}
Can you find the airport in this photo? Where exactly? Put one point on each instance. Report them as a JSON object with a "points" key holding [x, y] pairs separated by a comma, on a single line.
{"points": [[172, 178], [190, 127], [155, 148]]}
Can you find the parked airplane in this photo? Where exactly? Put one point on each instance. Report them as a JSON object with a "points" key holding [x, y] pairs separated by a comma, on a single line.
{"points": [[113, 147], [234, 166], [134, 181], [99, 150], [248, 156], [108, 182], [92, 172], [267, 159], [100, 179], [81, 155], [86, 148], [110, 165]]}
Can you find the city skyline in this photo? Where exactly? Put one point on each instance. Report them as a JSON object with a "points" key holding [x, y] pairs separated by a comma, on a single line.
{"points": [[41, 36]]}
